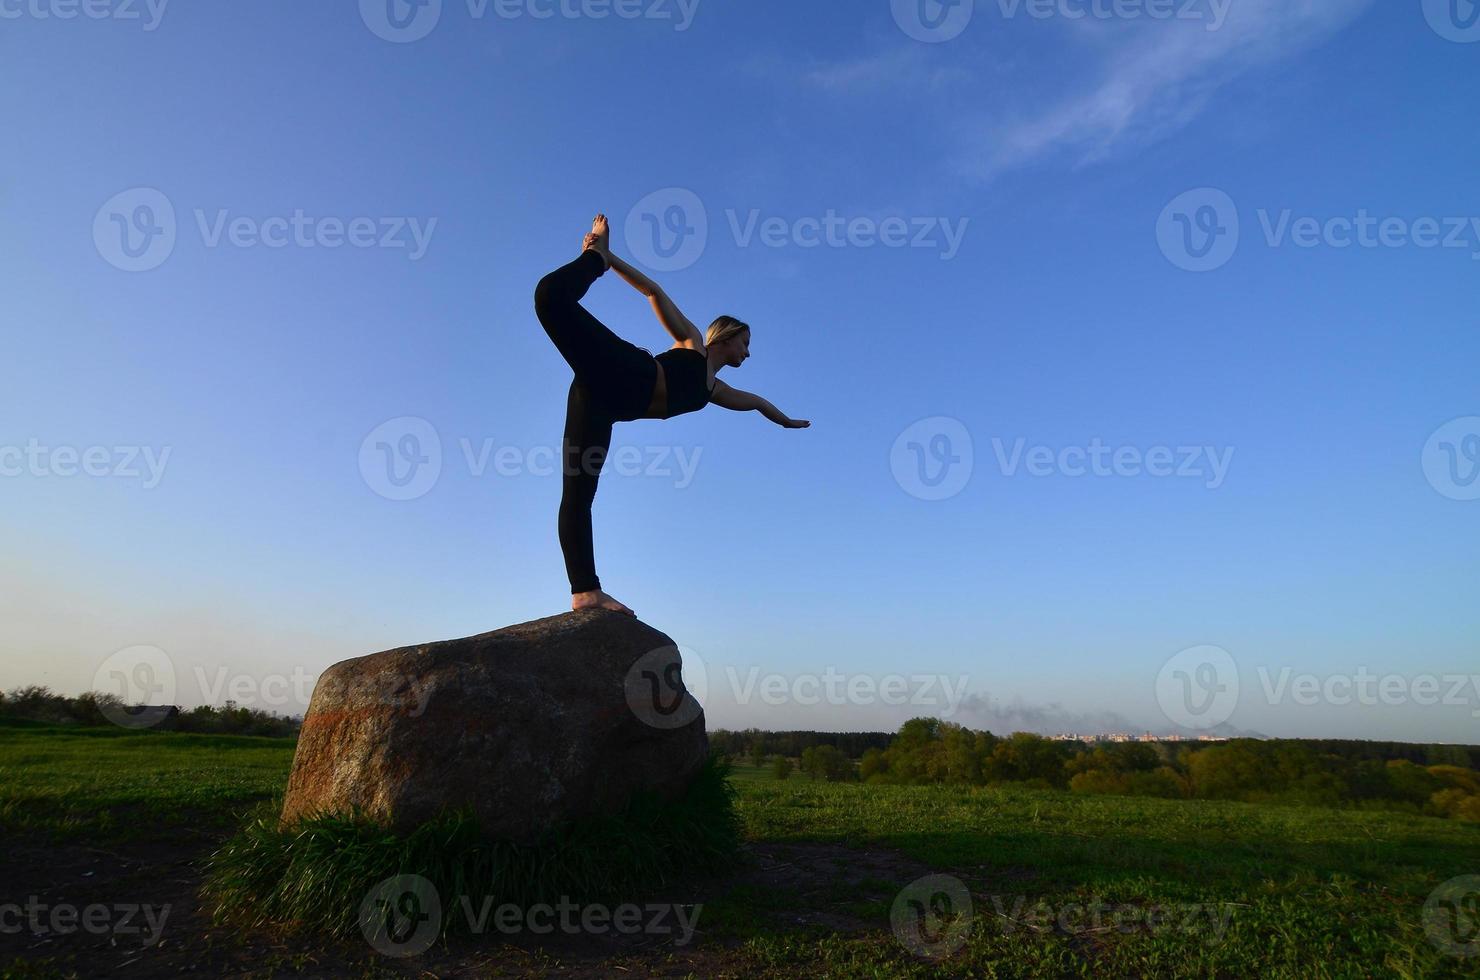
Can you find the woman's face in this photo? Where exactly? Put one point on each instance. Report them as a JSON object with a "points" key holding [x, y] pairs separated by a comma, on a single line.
{"points": [[739, 348]]}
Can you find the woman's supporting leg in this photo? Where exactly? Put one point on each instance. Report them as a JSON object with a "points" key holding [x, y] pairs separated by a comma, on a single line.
{"points": [[588, 436]]}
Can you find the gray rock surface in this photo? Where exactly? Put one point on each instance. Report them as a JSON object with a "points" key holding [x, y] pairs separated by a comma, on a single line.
{"points": [[549, 720]]}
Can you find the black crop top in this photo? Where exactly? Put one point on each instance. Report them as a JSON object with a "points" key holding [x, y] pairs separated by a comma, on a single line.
{"points": [[686, 372]]}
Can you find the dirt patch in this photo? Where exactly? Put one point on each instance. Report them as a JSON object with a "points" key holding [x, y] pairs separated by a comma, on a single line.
{"points": [[139, 914]]}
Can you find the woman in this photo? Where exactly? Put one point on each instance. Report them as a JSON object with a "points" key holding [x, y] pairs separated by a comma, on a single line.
{"points": [[618, 382]]}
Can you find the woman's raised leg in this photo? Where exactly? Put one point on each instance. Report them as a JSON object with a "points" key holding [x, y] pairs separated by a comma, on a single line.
{"points": [[584, 341]]}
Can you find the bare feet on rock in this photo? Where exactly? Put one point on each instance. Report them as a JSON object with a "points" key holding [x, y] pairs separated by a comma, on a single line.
{"points": [[597, 599]]}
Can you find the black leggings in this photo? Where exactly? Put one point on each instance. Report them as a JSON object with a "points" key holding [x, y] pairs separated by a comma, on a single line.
{"points": [[613, 383]]}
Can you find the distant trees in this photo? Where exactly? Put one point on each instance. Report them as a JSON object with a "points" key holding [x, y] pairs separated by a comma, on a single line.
{"points": [[927, 750], [781, 767], [739, 744], [826, 762], [40, 704]]}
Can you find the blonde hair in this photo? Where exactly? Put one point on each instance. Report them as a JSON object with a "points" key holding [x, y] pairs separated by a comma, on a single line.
{"points": [[722, 329]]}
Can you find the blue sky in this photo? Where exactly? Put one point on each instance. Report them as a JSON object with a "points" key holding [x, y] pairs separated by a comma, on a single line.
{"points": [[1020, 203]]}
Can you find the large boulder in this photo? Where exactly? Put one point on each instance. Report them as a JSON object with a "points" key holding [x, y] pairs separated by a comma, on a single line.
{"points": [[529, 725]]}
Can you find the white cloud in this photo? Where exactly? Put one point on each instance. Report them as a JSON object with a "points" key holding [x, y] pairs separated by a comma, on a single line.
{"points": [[1156, 78]]}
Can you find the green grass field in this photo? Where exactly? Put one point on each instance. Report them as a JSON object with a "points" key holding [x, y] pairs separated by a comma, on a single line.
{"points": [[1238, 890]]}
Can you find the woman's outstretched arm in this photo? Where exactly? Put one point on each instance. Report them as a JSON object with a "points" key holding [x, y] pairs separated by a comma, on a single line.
{"points": [[743, 401], [673, 320]]}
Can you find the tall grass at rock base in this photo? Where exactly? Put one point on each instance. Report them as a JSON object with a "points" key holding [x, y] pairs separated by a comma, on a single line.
{"points": [[314, 874]]}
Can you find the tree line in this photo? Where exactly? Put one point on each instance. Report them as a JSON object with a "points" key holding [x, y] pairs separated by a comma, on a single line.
{"points": [[41, 705], [1437, 780]]}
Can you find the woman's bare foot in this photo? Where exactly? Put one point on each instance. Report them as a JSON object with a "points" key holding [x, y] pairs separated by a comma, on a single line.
{"points": [[593, 244], [597, 599], [603, 232]]}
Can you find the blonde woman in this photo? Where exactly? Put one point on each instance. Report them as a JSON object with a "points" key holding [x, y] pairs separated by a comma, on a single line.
{"points": [[616, 381]]}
